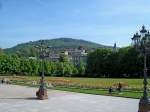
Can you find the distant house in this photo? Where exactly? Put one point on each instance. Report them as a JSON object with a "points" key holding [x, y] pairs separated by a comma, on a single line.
{"points": [[76, 56], [77, 59], [53, 57]]}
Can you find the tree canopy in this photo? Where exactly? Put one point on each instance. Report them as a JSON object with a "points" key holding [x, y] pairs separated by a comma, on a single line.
{"points": [[103, 62]]}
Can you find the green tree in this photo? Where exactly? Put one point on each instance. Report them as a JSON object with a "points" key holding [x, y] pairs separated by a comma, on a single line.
{"points": [[81, 69], [63, 58]]}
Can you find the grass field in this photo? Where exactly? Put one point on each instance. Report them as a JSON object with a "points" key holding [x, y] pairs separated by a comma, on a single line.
{"points": [[131, 87], [91, 82]]}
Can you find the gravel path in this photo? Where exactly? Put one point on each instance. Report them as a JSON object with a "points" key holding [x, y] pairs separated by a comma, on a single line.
{"points": [[22, 99]]}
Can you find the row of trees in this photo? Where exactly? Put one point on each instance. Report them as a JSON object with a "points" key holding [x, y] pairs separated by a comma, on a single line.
{"points": [[22, 66], [126, 62]]}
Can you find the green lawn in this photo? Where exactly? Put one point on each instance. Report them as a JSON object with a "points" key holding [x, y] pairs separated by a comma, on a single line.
{"points": [[126, 94], [94, 82], [132, 87]]}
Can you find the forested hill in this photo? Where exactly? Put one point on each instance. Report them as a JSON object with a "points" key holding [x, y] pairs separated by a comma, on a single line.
{"points": [[27, 49]]}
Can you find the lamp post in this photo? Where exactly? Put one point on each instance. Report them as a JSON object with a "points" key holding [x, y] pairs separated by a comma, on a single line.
{"points": [[42, 92], [142, 44]]}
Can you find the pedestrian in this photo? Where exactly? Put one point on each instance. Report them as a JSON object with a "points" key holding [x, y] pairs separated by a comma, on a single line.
{"points": [[110, 90], [119, 87], [2, 81]]}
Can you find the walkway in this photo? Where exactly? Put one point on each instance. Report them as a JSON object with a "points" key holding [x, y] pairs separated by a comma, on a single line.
{"points": [[22, 99]]}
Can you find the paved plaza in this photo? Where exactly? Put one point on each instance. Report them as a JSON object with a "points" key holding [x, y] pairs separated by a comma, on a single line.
{"points": [[15, 98]]}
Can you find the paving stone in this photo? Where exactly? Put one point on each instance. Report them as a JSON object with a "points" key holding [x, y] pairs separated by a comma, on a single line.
{"points": [[15, 98]]}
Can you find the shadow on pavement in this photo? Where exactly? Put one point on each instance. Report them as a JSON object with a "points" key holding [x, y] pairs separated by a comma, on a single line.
{"points": [[29, 98]]}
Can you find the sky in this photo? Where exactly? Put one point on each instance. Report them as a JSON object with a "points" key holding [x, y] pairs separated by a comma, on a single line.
{"points": [[101, 21]]}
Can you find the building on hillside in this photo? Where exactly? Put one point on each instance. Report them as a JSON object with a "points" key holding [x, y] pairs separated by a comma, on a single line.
{"points": [[76, 56], [53, 57], [77, 59]]}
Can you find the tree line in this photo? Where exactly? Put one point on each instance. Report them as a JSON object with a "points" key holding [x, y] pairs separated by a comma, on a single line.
{"points": [[126, 62], [12, 64], [103, 62]]}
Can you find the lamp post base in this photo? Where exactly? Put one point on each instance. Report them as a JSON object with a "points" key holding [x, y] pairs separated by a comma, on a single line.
{"points": [[144, 105], [42, 94]]}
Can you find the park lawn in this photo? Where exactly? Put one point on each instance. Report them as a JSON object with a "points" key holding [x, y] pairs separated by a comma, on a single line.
{"points": [[102, 83], [126, 94], [95, 82]]}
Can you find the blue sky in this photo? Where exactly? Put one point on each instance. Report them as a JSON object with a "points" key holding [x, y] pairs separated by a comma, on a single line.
{"points": [[101, 21]]}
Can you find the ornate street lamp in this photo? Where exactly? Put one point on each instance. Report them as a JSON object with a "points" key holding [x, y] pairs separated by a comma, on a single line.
{"points": [[142, 44], [42, 92]]}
